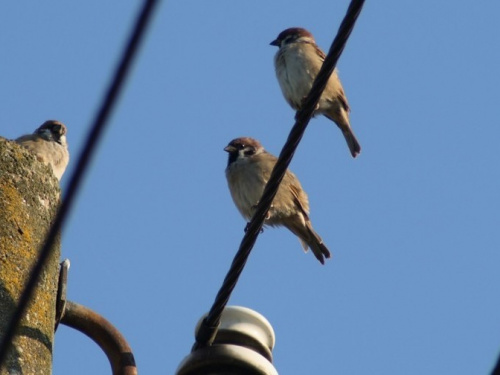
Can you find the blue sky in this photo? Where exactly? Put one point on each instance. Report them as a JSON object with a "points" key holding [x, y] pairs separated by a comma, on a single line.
{"points": [[412, 222]]}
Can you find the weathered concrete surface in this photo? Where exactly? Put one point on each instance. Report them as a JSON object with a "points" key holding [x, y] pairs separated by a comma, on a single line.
{"points": [[29, 196]]}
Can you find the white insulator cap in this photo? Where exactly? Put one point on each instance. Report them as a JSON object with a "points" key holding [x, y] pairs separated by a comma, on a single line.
{"points": [[243, 344]]}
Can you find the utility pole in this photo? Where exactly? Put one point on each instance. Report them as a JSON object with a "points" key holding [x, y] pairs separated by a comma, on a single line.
{"points": [[29, 197]]}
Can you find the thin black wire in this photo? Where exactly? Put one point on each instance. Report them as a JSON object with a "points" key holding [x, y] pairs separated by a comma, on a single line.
{"points": [[496, 370], [208, 328], [98, 125]]}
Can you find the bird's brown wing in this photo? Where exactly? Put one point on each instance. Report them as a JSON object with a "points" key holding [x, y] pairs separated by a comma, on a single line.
{"points": [[341, 94], [32, 143], [343, 99], [297, 199], [320, 53]]}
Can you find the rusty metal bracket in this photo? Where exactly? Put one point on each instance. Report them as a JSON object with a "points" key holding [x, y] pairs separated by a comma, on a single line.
{"points": [[61, 291], [104, 334], [93, 325]]}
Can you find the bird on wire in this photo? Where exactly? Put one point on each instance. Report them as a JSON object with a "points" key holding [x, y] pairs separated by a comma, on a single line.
{"points": [[297, 64], [248, 170]]}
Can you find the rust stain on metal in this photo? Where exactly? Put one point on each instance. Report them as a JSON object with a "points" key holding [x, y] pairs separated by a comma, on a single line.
{"points": [[103, 333]]}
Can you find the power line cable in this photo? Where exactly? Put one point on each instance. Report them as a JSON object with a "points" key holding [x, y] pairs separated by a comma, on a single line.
{"points": [[97, 129], [208, 328]]}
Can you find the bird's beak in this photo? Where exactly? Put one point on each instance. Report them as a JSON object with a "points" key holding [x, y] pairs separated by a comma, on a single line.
{"points": [[275, 42], [230, 149]]}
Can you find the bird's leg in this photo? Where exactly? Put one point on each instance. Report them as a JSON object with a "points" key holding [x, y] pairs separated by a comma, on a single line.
{"points": [[248, 224], [268, 215], [304, 101]]}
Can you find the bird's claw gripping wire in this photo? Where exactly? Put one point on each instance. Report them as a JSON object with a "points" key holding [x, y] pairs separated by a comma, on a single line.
{"points": [[248, 225]]}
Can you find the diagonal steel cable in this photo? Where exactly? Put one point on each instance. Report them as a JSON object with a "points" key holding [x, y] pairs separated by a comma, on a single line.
{"points": [[98, 125], [496, 370], [208, 328]]}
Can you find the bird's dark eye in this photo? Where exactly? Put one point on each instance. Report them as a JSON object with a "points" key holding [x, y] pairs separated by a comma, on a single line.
{"points": [[249, 151]]}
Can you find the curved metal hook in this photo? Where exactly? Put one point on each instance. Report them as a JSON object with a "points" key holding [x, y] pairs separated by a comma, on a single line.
{"points": [[104, 334]]}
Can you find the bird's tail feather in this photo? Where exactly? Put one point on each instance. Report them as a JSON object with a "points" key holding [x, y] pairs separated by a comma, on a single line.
{"points": [[341, 118], [310, 239], [352, 142]]}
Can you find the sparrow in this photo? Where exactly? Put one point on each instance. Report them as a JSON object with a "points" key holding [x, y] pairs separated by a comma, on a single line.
{"points": [[297, 63], [48, 143], [248, 169]]}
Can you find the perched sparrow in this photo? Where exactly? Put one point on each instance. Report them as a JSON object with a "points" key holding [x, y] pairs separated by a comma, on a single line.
{"points": [[48, 143], [297, 63], [248, 170]]}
